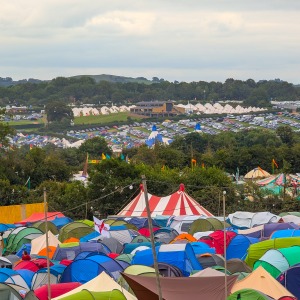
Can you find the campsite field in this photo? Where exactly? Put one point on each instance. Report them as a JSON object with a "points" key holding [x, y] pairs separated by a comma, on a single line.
{"points": [[102, 119]]}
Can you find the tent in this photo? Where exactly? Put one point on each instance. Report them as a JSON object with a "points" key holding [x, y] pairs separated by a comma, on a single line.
{"points": [[83, 270], [278, 261], [56, 290], [42, 226], [65, 251], [59, 222], [207, 260], [11, 291], [99, 284], [39, 243], [41, 217], [87, 295], [257, 173], [256, 251], [244, 219], [207, 224], [235, 265], [178, 288], [290, 279], [75, 230], [239, 245], [165, 235], [176, 204], [40, 277], [285, 233], [249, 294], [262, 281], [12, 276], [23, 236], [179, 255]]}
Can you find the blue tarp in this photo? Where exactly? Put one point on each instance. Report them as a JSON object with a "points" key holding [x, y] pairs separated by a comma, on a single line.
{"points": [[89, 236], [60, 222]]}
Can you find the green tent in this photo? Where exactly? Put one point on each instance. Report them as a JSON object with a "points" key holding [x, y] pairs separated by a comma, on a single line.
{"points": [[276, 261], [25, 235], [125, 257], [87, 295], [75, 230], [208, 224], [256, 251], [41, 225], [248, 294], [294, 213]]}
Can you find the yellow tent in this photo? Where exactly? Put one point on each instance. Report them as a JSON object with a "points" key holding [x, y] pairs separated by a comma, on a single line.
{"points": [[100, 283], [262, 281], [257, 173]]}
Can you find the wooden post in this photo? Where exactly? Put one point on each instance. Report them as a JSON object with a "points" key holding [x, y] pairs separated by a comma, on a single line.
{"points": [[47, 243], [152, 238]]}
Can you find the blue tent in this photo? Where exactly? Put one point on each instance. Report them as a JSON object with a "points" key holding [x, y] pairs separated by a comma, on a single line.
{"points": [[71, 252], [197, 127], [12, 276], [83, 270], [239, 245], [141, 222], [285, 233], [26, 275], [154, 137], [290, 279], [161, 221], [60, 222], [89, 236], [4, 227], [179, 255], [201, 248]]}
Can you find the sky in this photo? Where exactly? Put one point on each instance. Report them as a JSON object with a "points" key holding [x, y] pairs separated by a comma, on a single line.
{"points": [[184, 40]]}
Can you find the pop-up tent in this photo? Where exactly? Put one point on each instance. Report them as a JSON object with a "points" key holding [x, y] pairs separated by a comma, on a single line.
{"points": [[176, 204]]}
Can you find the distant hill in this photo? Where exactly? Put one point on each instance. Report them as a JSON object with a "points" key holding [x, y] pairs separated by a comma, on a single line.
{"points": [[8, 81], [114, 78]]}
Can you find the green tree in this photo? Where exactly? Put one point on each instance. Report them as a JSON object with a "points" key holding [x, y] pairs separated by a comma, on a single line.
{"points": [[57, 111], [94, 147]]}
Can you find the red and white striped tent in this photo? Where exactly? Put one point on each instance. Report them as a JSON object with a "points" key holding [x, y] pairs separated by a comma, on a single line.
{"points": [[176, 204]]}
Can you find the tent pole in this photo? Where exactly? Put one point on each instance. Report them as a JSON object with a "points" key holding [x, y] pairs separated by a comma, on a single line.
{"points": [[152, 237], [47, 243], [225, 256]]}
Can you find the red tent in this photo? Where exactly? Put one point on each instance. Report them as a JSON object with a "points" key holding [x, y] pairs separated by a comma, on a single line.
{"points": [[176, 204], [35, 217], [56, 289]]}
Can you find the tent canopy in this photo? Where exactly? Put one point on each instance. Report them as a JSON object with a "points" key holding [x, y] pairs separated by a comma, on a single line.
{"points": [[176, 204], [41, 217], [257, 173]]}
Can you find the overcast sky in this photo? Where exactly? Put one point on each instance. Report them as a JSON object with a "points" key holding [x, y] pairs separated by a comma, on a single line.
{"points": [[184, 40]]}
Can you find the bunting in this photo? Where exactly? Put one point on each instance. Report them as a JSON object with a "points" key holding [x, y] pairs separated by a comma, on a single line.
{"points": [[94, 161], [103, 156]]}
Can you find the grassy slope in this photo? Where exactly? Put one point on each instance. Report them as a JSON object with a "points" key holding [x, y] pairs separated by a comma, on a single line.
{"points": [[100, 119]]}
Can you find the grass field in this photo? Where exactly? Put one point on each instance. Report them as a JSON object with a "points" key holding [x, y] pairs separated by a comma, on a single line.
{"points": [[26, 122], [100, 119]]}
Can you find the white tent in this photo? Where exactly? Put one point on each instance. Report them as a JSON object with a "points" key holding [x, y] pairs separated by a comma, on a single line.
{"points": [[39, 243]]}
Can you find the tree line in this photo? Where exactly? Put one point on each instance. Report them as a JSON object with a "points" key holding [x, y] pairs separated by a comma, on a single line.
{"points": [[80, 90], [204, 163]]}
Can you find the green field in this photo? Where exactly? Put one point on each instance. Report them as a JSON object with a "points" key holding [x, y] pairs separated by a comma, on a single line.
{"points": [[25, 122], [103, 119]]}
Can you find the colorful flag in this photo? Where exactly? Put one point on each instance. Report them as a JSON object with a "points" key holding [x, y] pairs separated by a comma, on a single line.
{"points": [[94, 161], [101, 227], [107, 156], [122, 156], [103, 156], [30, 147]]}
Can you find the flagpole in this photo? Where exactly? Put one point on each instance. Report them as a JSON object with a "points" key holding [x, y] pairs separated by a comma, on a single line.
{"points": [[47, 243], [152, 237], [225, 255]]}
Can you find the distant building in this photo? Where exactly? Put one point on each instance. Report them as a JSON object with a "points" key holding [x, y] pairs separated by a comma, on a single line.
{"points": [[156, 108], [15, 109]]}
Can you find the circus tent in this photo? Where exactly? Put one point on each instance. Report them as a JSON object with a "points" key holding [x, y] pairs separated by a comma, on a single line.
{"points": [[257, 173], [176, 204]]}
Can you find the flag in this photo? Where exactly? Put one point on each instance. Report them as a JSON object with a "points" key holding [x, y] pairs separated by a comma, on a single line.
{"points": [[127, 159], [202, 165], [94, 161], [107, 156], [274, 163], [101, 227], [163, 168], [30, 147], [28, 183], [194, 162], [103, 156], [122, 156]]}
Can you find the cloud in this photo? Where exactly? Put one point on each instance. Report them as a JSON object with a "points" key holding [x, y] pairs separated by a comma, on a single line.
{"points": [[201, 38]]}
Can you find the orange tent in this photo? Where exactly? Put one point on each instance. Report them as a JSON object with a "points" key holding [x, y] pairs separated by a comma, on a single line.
{"points": [[71, 240], [51, 251], [183, 237]]}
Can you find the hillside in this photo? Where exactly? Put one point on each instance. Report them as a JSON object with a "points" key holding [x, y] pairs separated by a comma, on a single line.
{"points": [[114, 78]]}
